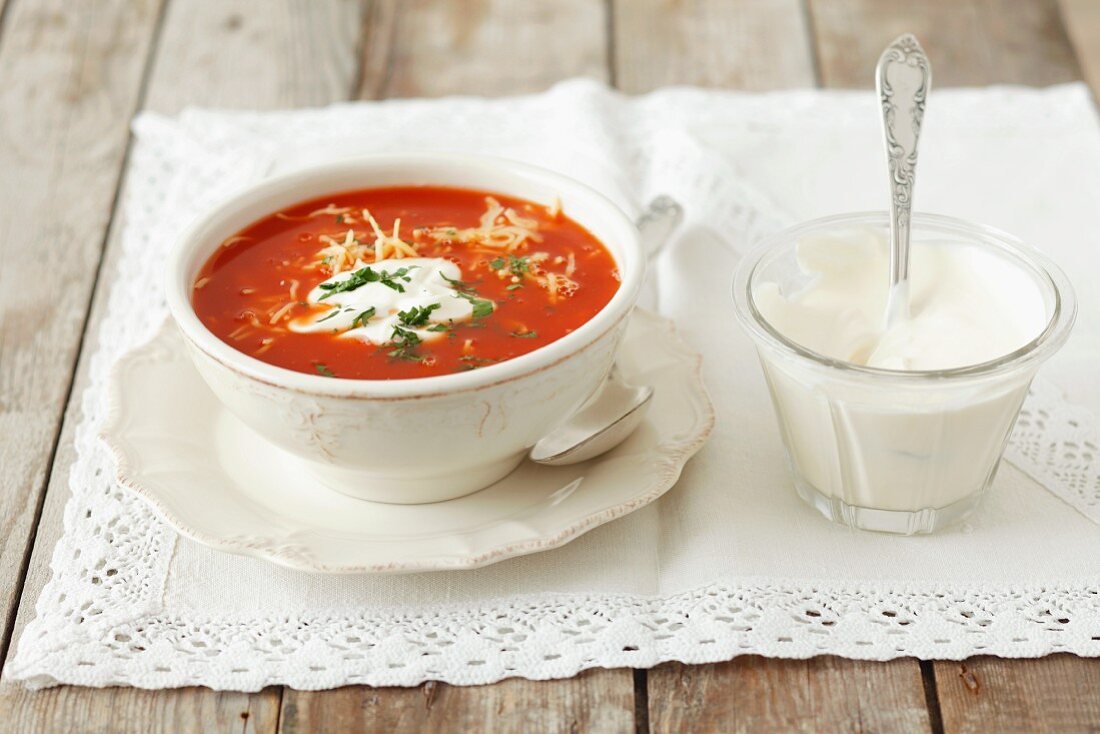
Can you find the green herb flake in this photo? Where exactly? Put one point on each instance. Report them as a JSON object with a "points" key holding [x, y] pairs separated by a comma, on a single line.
{"points": [[329, 316], [476, 360], [390, 279], [362, 276], [339, 218], [482, 308], [417, 316], [323, 369], [462, 286], [406, 343], [518, 265], [363, 318], [496, 263], [514, 286], [439, 327]]}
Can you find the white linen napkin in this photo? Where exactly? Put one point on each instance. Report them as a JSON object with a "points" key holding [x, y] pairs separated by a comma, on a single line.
{"points": [[729, 561]]}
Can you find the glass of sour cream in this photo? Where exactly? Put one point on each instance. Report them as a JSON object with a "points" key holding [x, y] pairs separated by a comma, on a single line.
{"points": [[899, 429]]}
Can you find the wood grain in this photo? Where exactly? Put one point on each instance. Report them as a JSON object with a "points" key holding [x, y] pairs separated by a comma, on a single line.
{"points": [[188, 69], [485, 47], [1081, 19], [135, 710], [70, 76], [250, 54], [1056, 693], [739, 44], [594, 701], [970, 42], [757, 694]]}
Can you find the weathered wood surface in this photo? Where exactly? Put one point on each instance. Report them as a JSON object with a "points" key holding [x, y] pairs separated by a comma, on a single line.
{"points": [[68, 709], [71, 74], [734, 44], [187, 68], [823, 694], [970, 42], [1057, 693], [1081, 19], [595, 701], [485, 47]]}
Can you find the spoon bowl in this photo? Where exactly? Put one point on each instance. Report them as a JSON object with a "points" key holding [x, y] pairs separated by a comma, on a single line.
{"points": [[601, 425]]}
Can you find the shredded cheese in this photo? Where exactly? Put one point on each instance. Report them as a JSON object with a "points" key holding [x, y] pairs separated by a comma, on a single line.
{"points": [[499, 228], [278, 315], [554, 209]]}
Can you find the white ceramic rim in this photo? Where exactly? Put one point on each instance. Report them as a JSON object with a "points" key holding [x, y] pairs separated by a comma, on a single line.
{"points": [[631, 263]]}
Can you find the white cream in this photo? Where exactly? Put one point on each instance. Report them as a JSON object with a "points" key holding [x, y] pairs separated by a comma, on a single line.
{"points": [[967, 304], [889, 448], [424, 285]]}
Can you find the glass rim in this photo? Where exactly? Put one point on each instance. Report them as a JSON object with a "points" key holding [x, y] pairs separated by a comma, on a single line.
{"points": [[1037, 350]]}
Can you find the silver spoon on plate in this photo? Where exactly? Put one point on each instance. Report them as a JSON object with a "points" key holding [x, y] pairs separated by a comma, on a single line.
{"points": [[903, 77], [618, 408]]}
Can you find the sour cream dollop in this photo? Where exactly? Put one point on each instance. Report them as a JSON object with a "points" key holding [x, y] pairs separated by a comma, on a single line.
{"points": [[967, 304], [422, 282]]}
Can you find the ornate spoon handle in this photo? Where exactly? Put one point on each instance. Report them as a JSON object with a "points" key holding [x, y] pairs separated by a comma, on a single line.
{"points": [[903, 77]]}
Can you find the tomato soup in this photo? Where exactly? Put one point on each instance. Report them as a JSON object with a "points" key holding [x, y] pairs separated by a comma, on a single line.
{"points": [[403, 282]]}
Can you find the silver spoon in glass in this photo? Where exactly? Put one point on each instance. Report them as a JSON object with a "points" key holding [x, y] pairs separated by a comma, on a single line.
{"points": [[619, 407], [903, 77]]}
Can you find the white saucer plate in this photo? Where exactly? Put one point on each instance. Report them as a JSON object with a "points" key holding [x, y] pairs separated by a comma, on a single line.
{"points": [[217, 482]]}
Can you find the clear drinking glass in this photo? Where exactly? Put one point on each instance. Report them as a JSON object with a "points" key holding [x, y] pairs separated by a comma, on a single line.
{"points": [[889, 450]]}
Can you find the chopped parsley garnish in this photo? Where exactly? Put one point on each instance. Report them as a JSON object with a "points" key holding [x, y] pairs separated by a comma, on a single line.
{"points": [[525, 334], [323, 369], [472, 362], [515, 265], [339, 218], [482, 308], [406, 343], [439, 327], [462, 286], [387, 279], [514, 286], [518, 265], [330, 315], [363, 318], [362, 276], [417, 316]]}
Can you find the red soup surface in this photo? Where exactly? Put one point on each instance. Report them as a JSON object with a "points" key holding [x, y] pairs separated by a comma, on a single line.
{"points": [[403, 282]]}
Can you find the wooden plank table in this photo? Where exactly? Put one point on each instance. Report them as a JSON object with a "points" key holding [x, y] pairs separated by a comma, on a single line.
{"points": [[73, 73]]}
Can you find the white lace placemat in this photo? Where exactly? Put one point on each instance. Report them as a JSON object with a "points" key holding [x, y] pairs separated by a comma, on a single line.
{"points": [[730, 561]]}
